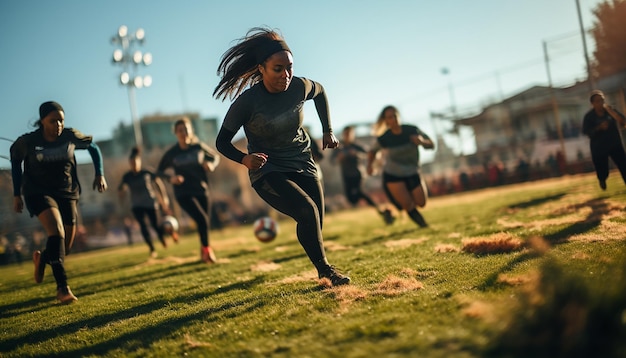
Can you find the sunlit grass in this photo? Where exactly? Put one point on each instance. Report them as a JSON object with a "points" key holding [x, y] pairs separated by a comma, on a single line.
{"points": [[415, 292]]}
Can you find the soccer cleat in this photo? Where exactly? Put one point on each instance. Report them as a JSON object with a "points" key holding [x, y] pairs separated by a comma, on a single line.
{"points": [[40, 266], [336, 278], [65, 295], [207, 254], [603, 184], [388, 217]]}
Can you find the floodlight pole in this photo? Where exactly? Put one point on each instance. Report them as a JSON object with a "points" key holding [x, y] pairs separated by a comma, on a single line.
{"points": [[129, 61]]}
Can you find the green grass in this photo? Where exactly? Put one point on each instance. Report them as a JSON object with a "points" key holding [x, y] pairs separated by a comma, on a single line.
{"points": [[409, 297]]}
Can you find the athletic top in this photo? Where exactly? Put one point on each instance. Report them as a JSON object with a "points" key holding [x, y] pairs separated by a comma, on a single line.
{"points": [[401, 155], [49, 167], [607, 138], [349, 162], [142, 193], [272, 123], [188, 163]]}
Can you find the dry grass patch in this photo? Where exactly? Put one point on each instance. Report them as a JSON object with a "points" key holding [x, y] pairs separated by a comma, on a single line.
{"points": [[265, 266], [446, 248], [394, 285], [333, 246], [509, 224], [310, 275], [493, 244], [404, 243], [517, 280]]}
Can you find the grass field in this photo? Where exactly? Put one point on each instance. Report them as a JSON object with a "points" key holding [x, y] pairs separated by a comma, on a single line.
{"points": [[535, 269]]}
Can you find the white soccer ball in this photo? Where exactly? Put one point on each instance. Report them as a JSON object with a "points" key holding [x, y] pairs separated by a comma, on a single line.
{"points": [[265, 229], [170, 224]]}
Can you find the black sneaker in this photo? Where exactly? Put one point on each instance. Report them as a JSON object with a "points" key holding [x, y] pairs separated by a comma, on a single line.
{"points": [[388, 217], [336, 278], [603, 184]]}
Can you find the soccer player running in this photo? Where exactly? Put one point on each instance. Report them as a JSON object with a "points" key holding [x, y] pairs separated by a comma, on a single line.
{"points": [[601, 124], [49, 184], [281, 167], [145, 203], [399, 144], [347, 155], [190, 160]]}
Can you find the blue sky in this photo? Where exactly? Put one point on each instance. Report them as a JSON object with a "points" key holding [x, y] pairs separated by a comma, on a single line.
{"points": [[366, 53]]}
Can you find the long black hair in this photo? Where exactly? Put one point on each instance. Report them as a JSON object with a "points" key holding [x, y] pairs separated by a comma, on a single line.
{"points": [[239, 64]]}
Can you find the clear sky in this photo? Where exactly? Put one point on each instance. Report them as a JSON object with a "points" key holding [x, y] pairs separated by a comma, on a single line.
{"points": [[366, 53]]}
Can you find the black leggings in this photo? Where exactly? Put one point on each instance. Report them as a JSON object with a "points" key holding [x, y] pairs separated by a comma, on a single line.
{"points": [[301, 198], [151, 213], [600, 158], [199, 210], [354, 191]]}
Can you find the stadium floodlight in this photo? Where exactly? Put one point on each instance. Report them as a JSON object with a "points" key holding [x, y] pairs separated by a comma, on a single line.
{"points": [[131, 59]]}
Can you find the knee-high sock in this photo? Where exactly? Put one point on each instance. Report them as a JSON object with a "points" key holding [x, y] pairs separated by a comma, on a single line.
{"points": [[55, 254]]}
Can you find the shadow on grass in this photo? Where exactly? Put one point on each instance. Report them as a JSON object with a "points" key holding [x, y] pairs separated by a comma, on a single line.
{"points": [[15, 309], [537, 201], [599, 208], [143, 336]]}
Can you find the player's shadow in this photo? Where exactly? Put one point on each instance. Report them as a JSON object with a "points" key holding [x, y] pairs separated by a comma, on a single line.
{"points": [[536, 201], [599, 208]]}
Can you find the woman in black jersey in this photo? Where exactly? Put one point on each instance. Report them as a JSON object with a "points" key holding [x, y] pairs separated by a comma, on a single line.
{"points": [[144, 201], [348, 155], [602, 124], [190, 160], [281, 167], [400, 144], [49, 184]]}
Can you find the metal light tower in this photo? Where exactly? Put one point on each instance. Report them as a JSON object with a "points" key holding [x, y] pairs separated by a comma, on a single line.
{"points": [[130, 59]]}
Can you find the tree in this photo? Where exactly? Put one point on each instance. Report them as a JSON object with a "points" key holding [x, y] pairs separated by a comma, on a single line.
{"points": [[609, 32]]}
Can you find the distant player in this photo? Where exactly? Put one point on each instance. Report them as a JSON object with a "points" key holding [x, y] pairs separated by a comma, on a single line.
{"points": [[602, 125], [191, 160], [145, 203], [400, 144], [348, 156]]}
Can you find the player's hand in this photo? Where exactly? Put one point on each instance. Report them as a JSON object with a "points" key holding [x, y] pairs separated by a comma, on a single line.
{"points": [[254, 161], [329, 141], [99, 183], [177, 179]]}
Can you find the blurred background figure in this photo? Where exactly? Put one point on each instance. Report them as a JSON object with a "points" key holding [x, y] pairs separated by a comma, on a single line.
{"points": [[190, 161], [602, 125], [145, 203], [348, 155], [399, 144]]}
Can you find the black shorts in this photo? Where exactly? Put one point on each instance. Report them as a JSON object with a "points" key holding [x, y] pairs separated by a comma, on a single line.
{"points": [[36, 204], [411, 182]]}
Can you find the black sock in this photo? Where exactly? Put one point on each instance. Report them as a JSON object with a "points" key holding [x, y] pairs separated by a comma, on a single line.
{"points": [[417, 218], [55, 253], [59, 274]]}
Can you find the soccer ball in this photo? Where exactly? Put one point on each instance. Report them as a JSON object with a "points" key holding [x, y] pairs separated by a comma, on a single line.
{"points": [[265, 229], [170, 224]]}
